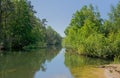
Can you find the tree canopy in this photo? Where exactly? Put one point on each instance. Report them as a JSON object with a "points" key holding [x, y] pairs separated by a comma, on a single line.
{"points": [[89, 34], [19, 27]]}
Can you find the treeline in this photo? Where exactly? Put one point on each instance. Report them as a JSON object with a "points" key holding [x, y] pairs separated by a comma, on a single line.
{"points": [[89, 34], [19, 27]]}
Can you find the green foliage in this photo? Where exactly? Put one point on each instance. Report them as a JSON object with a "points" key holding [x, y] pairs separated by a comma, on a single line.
{"points": [[19, 27], [87, 33], [52, 36]]}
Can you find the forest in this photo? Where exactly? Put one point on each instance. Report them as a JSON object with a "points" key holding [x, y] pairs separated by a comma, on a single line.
{"points": [[30, 48], [89, 34], [20, 28]]}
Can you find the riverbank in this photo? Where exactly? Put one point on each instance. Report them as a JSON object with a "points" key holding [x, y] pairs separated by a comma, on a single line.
{"points": [[111, 71]]}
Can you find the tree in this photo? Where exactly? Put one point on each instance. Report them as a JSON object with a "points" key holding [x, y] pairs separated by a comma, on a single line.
{"points": [[87, 34], [83, 23], [6, 17], [0, 18], [52, 36], [19, 27]]}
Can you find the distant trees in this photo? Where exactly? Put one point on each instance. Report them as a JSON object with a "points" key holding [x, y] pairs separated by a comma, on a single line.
{"points": [[90, 35], [52, 36], [19, 27]]}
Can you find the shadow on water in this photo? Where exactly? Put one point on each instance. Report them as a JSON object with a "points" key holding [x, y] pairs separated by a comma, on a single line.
{"points": [[25, 64]]}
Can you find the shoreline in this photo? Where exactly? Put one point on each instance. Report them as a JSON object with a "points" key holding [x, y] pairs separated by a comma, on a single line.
{"points": [[111, 71]]}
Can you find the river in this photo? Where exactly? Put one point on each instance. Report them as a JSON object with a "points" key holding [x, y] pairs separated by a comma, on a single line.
{"points": [[53, 62]]}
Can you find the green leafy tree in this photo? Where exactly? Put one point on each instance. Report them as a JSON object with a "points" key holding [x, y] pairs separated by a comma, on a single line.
{"points": [[52, 36], [89, 35], [84, 23]]}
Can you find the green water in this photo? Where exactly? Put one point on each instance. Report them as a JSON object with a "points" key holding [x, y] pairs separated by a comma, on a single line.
{"points": [[25, 64], [51, 62]]}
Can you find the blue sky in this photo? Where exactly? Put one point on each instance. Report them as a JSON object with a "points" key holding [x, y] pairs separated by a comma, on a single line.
{"points": [[59, 12]]}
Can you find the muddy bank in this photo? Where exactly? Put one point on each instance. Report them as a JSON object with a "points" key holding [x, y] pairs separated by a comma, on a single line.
{"points": [[111, 71]]}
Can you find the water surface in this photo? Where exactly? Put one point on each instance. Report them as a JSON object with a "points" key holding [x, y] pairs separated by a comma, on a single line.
{"points": [[52, 62], [55, 69]]}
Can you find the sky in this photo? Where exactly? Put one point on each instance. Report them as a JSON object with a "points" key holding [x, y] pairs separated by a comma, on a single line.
{"points": [[59, 12]]}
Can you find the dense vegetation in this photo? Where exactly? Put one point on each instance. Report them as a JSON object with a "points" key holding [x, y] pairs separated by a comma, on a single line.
{"points": [[19, 27], [89, 34]]}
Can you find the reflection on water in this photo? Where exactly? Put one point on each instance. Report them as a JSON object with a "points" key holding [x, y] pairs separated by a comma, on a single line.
{"points": [[84, 67], [55, 68], [25, 64], [52, 62]]}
